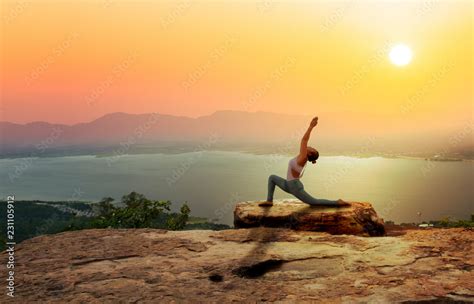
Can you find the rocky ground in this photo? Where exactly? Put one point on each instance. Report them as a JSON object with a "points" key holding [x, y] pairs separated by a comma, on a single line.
{"points": [[245, 265]]}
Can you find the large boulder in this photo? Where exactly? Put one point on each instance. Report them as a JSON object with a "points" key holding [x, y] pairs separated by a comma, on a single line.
{"points": [[358, 218]]}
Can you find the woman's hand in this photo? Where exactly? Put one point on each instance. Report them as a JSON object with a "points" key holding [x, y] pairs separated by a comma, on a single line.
{"points": [[303, 156]]}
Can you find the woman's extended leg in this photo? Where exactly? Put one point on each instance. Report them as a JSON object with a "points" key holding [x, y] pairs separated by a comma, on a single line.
{"points": [[299, 192], [278, 181]]}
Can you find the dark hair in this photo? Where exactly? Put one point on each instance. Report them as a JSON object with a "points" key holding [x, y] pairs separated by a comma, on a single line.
{"points": [[313, 156]]}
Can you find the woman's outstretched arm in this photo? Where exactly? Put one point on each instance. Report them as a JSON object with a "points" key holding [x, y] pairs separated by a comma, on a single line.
{"points": [[302, 157]]}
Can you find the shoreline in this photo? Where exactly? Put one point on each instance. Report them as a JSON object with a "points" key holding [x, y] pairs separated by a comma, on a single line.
{"points": [[244, 151]]}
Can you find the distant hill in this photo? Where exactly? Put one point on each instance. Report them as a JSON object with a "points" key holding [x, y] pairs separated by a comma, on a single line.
{"points": [[237, 129], [116, 127]]}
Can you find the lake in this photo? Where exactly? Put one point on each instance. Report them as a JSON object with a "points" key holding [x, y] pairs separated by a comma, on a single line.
{"points": [[402, 190]]}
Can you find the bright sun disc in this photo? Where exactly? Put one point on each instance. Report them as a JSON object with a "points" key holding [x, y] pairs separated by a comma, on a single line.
{"points": [[400, 55]]}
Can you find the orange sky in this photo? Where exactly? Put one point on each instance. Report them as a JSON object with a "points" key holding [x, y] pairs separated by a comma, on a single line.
{"points": [[73, 61]]}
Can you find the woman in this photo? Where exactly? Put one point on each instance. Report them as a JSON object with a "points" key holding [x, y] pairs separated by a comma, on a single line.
{"points": [[296, 166]]}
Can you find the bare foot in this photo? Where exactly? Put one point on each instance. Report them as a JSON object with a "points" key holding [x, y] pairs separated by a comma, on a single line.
{"points": [[265, 204], [343, 203]]}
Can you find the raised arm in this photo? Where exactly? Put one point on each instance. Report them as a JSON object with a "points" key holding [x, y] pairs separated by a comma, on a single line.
{"points": [[302, 157]]}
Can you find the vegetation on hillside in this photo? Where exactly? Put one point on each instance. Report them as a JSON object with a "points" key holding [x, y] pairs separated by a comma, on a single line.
{"points": [[448, 222], [134, 210]]}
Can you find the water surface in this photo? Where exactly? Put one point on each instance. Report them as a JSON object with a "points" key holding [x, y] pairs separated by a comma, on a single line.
{"points": [[403, 190]]}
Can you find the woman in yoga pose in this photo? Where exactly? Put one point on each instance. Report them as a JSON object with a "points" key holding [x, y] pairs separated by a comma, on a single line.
{"points": [[296, 166]]}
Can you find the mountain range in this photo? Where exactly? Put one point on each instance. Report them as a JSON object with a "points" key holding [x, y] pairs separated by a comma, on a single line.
{"points": [[238, 129]]}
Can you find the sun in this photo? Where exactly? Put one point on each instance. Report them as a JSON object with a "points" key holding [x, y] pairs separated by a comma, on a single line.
{"points": [[400, 55]]}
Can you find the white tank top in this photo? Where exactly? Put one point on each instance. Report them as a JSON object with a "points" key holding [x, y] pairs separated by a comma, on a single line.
{"points": [[292, 164]]}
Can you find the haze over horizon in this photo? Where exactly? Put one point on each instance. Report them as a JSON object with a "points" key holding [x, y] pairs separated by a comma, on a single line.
{"points": [[261, 132], [83, 61]]}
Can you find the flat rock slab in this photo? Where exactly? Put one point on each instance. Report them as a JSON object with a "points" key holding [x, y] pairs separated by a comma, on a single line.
{"points": [[251, 265], [359, 218]]}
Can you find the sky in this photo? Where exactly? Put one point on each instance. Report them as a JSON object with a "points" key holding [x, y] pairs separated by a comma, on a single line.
{"points": [[74, 61]]}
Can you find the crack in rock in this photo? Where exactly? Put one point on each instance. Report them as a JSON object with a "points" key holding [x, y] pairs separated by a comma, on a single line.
{"points": [[113, 259]]}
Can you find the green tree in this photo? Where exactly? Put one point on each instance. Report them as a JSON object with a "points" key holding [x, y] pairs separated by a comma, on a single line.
{"points": [[178, 221], [137, 211]]}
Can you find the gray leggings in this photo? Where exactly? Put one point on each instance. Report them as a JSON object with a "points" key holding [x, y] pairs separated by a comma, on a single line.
{"points": [[296, 188]]}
